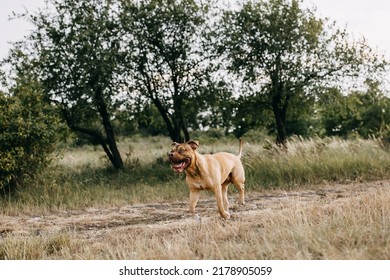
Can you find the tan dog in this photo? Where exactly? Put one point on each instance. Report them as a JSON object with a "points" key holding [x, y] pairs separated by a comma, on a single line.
{"points": [[213, 172]]}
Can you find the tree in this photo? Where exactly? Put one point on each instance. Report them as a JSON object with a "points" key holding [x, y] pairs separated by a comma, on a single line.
{"points": [[365, 112], [283, 51], [169, 57], [78, 54], [29, 130], [374, 109], [249, 116]]}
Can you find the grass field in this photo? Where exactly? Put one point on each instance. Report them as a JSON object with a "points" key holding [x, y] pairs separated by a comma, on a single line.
{"points": [[319, 199]]}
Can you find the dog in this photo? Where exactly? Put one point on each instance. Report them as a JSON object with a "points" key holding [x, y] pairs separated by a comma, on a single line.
{"points": [[209, 172]]}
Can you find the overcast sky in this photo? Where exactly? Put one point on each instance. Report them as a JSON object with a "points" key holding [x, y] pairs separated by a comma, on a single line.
{"points": [[369, 18]]}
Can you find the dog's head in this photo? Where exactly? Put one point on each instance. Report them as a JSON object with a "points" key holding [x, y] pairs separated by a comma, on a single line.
{"points": [[182, 155]]}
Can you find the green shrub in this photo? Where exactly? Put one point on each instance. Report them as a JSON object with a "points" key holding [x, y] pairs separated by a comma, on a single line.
{"points": [[28, 131]]}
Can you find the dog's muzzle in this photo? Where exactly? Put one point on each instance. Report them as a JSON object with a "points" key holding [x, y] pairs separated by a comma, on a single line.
{"points": [[179, 165]]}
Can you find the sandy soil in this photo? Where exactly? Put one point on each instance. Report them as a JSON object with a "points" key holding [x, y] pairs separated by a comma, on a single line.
{"points": [[94, 223]]}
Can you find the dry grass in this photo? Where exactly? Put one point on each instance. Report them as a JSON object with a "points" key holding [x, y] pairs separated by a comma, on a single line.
{"points": [[81, 209], [352, 225], [354, 228]]}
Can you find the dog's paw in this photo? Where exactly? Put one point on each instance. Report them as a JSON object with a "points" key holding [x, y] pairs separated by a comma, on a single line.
{"points": [[226, 216], [197, 218], [240, 202], [236, 206]]}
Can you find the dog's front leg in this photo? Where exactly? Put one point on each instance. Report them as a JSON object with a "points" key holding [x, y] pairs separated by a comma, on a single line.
{"points": [[194, 197]]}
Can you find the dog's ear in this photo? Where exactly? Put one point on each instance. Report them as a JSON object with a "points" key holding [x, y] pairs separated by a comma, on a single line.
{"points": [[174, 144], [193, 144]]}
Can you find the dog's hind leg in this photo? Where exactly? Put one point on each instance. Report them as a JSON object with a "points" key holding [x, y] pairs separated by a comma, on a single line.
{"points": [[219, 196], [238, 179], [225, 196], [241, 193], [240, 185]]}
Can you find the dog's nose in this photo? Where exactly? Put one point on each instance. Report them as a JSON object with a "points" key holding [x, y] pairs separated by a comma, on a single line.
{"points": [[170, 155]]}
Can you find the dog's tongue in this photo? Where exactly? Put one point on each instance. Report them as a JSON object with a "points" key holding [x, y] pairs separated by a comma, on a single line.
{"points": [[179, 167]]}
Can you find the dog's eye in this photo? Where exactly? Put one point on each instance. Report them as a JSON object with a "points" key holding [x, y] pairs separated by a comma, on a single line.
{"points": [[181, 150]]}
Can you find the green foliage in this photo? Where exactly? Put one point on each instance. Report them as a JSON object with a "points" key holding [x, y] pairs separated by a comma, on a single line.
{"points": [[171, 67], [284, 51], [169, 58], [360, 113], [28, 134], [143, 117], [78, 58]]}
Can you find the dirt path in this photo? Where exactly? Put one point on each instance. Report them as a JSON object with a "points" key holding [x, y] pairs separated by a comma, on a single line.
{"points": [[92, 223]]}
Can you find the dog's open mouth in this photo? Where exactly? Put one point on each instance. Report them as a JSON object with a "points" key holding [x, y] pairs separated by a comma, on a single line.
{"points": [[180, 165]]}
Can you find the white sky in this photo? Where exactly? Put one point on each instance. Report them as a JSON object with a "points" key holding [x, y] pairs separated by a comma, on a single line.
{"points": [[370, 18]]}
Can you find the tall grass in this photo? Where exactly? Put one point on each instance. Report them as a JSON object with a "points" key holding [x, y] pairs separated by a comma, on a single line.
{"points": [[316, 161], [83, 177]]}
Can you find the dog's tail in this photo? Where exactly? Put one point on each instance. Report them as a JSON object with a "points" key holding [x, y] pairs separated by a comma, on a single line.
{"points": [[240, 148]]}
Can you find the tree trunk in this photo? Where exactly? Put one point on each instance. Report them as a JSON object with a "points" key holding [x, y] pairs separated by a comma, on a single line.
{"points": [[175, 124], [172, 130], [181, 133], [280, 120], [117, 164], [279, 106], [281, 135], [96, 135], [111, 149], [114, 156], [185, 130]]}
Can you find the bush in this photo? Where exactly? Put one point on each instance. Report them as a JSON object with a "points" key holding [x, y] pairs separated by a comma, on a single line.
{"points": [[28, 131]]}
